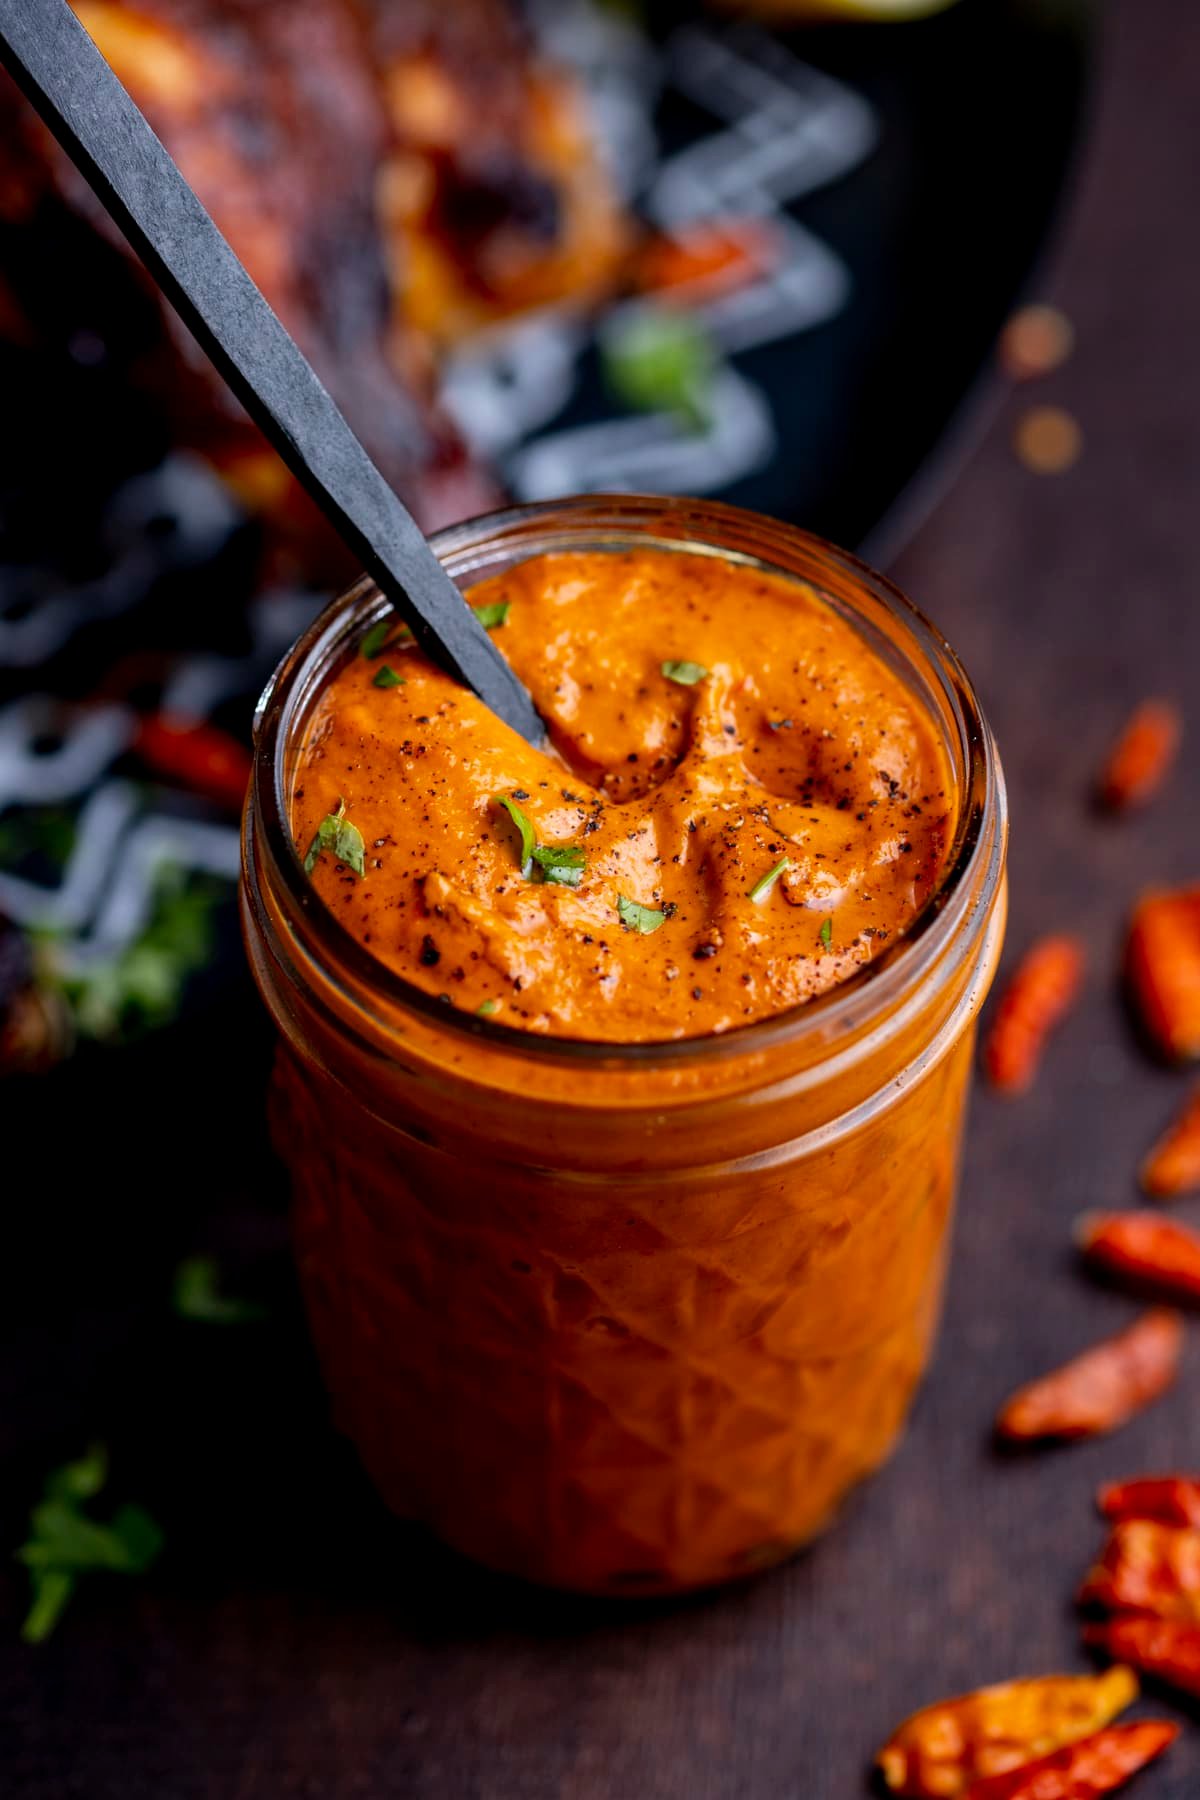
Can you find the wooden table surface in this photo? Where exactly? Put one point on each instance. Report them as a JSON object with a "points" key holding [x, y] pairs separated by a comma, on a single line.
{"points": [[297, 1646]]}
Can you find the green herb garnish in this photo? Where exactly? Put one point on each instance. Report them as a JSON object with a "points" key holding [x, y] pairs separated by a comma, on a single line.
{"points": [[378, 635], [563, 863], [487, 1009], [560, 863], [343, 840], [117, 998], [528, 839], [687, 674], [386, 677], [826, 933], [197, 1295], [765, 883], [66, 1542], [660, 361], [638, 918]]}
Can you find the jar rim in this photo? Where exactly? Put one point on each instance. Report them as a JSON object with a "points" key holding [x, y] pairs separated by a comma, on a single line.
{"points": [[878, 983]]}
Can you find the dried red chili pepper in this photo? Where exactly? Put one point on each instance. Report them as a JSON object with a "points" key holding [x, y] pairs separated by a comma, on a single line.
{"points": [[1147, 1567], [1141, 758], [1038, 996], [1173, 1165], [1168, 1649], [718, 256], [1097, 1765], [1162, 961], [943, 1749], [1153, 1250], [1172, 1499], [196, 755], [1103, 1387]]}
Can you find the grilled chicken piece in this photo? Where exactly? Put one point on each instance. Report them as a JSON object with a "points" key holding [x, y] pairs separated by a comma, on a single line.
{"points": [[393, 173], [493, 195]]}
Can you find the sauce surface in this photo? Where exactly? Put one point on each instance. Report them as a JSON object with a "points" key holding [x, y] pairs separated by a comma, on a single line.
{"points": [[678, 794]]}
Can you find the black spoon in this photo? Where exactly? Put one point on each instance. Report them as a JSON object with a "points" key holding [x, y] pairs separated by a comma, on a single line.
{"points": [[62, 73]]}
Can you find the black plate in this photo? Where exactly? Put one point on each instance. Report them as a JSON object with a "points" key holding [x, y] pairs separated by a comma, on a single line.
{"points": [[913, 169]]}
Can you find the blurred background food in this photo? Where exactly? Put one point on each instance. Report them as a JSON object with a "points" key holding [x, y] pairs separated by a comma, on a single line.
{"points": [[532, 249]]}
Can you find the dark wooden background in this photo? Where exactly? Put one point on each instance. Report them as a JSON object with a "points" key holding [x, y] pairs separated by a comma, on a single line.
{"points": [[295, 1645]]}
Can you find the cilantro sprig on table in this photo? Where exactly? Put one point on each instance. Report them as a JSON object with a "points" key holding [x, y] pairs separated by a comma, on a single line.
{"points": [[196, 1295], [65, 1541]]}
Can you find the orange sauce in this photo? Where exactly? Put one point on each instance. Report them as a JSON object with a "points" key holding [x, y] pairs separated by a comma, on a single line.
{"points": [[742, 830], [626, 1322]]}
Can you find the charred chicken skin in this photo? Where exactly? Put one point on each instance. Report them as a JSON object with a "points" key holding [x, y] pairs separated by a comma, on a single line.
{"points": [[393, 173]]}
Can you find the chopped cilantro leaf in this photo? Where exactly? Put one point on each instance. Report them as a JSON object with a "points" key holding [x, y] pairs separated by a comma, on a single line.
{"points": [[343, 841], [493, 612], [687, 674], [765, 883], [487, 1009], [638, 918], [520, 820], [826, 933], [563, 863], [386, 677]]}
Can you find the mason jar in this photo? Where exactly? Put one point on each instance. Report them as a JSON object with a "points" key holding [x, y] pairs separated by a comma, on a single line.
{"points": [[625, 1318]]}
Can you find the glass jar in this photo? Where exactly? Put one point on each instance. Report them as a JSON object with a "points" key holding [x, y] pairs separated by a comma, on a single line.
{"points": [[625, 1318]]}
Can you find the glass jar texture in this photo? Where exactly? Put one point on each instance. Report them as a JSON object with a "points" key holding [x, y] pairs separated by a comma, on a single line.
{"points": [[625, 1318]]}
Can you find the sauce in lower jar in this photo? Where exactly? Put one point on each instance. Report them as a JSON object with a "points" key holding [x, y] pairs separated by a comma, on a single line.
{"points": [[622, 1091]]}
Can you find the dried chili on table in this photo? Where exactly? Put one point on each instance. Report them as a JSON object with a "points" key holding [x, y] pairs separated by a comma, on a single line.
{"points": [[1152, 1250], [1172, 1499], [1141, 758], [944, 1749], [1039, 995], [1162, 961], [1173, 1165], [1103, 1387], [1167, 1649], [1148, 1567], [1097, 1765]]}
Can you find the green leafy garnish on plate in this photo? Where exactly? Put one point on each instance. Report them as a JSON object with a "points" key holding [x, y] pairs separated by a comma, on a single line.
{"points": [[65, 1541], [197, 1295], [492, 613], [341, 839], [638, 918], [659, 360], [765, 883], [687, 674], [386, 677], [826, 933], [118, 996], [487, 1009]]}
